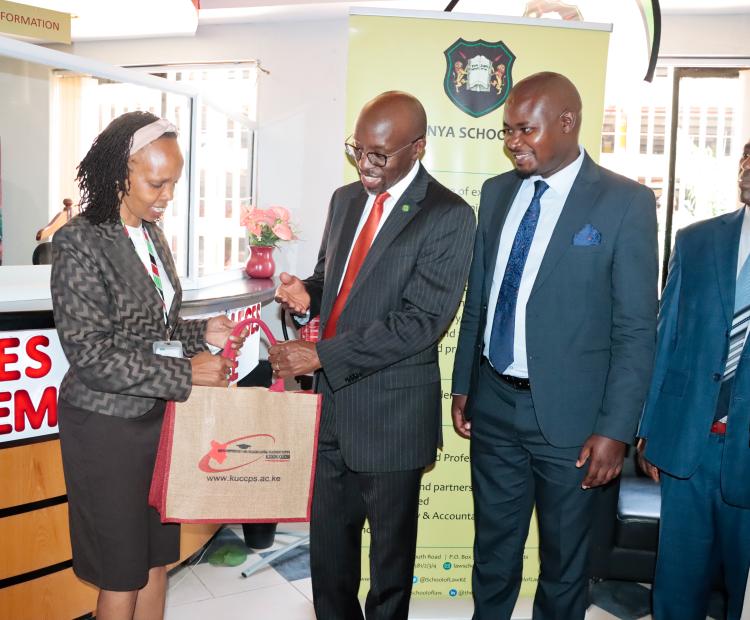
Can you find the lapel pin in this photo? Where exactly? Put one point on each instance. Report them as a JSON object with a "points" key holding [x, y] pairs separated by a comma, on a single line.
{"points": [[405, 208]]}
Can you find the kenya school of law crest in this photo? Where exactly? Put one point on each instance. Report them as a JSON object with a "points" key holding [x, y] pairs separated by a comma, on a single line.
{"points": [[478, 75]]}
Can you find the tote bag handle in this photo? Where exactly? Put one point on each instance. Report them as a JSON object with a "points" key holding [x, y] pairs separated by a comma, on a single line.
{"points": [[230, 353]]}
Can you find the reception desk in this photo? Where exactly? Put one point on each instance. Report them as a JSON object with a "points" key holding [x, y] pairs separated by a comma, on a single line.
{"points": [[36, 578]]}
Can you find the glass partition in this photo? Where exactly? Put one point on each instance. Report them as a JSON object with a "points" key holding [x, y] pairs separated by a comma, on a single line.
{"points": [[82, 106], [55, 104], [224, 163]]}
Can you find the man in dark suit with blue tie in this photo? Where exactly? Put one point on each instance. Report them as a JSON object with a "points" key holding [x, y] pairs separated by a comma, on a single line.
{"points": [[695, 430], [555, 348]]}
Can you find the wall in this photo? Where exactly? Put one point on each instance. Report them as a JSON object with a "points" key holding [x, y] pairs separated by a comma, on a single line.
{"points": [[702, 35], [24, 138]]}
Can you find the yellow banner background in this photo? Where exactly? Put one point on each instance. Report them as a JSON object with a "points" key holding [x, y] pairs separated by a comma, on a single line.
{"points": [[406, 53]]}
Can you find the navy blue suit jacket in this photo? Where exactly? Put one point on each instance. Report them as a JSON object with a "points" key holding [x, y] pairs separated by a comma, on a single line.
{"points": [[694, 321], [591, 317]]}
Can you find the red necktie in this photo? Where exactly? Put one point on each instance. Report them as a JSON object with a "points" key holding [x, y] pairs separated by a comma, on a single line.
{"points": [[359, 252]]}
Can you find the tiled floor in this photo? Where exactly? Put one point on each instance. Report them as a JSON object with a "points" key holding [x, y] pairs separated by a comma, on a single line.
{"points": [[282, 591]]}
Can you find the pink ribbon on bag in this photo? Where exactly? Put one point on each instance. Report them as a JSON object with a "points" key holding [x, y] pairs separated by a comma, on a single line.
{"points": [[230, 353]]}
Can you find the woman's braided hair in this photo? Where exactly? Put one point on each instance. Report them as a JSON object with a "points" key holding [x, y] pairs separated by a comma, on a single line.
{"points": [[103, 173]]}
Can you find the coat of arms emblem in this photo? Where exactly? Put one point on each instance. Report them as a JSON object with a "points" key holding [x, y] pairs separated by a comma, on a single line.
{"points": [[478, 75]]}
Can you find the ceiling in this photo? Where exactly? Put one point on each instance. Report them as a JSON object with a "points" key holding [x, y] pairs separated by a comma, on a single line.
{"points": [[224, 11], [115, 19], [110, 19]]}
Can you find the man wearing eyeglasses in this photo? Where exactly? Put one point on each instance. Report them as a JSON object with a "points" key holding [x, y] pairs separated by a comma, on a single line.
{"points": [[555, 349], [390, 274]]}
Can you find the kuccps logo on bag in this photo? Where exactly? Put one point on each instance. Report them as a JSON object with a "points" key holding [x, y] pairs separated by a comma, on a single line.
{"points": [[241, 452], [478, 75]]}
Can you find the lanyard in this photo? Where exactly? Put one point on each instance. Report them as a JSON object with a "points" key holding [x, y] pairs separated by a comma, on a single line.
{"points": [[154, 272]]}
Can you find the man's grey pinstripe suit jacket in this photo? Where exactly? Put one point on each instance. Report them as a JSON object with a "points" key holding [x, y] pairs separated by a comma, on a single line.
{"points": [[108, 314], [380, 378]]}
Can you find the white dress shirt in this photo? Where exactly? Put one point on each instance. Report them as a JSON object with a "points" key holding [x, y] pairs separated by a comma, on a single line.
{"points": [[551, 206], [396, 191], [744, 250]]}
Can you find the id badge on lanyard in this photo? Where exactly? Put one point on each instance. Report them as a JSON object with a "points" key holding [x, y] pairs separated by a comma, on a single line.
{"points": [[168, 348]]}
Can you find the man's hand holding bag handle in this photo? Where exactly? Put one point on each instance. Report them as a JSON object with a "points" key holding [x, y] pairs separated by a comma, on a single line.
{"points": [[231, 353]]}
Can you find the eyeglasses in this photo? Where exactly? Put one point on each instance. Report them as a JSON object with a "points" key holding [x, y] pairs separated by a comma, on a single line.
{"points": [[376, 159]]}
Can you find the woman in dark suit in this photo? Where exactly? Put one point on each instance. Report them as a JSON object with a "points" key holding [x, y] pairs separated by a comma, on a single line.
{"points": [[116, 300]]}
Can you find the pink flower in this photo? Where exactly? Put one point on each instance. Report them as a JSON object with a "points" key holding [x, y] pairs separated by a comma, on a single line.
{"points": [[266, 226], [283, 232], [266, 216], [246, 215], [281, 213]]}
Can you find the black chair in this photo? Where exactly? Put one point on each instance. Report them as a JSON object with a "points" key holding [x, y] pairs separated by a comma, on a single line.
{"points": [[42, 254], [625, 533]]}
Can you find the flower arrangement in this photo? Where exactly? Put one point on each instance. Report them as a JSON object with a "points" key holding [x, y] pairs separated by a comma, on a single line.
{"points": [[266, 227]]}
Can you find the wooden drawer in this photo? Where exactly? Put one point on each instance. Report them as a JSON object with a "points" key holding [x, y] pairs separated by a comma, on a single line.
{"points": [[59, 596], [34, 540], [31, 473]]}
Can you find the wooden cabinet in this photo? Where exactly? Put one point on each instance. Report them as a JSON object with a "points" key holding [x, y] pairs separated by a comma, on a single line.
{"points": [[36, 578]]}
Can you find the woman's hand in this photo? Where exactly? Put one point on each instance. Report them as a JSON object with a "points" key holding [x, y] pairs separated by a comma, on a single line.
{"points": [[211, 370], [218, 330]]}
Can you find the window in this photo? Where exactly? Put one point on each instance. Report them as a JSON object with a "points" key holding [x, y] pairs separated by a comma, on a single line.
{"points": [[202, 194], [201, 255], [244, 186], [659, 131], [227, 251], [608, 130], [243, 251], [657, 186], [653, 130], [728, 115], [644, 131], [228, 193], [694, 125], [706, 137], [218, 175], [712, 128], [710, 102], [225, 161]]}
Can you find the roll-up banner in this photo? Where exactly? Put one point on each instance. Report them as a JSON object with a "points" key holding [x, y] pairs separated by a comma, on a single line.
{"points": [[461, 67]]}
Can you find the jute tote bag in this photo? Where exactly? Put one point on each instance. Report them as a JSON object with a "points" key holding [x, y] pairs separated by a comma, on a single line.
{"points": [[237, 455]]}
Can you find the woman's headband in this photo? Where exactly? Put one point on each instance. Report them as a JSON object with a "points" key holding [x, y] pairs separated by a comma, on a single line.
{"points": [[148, 133]]}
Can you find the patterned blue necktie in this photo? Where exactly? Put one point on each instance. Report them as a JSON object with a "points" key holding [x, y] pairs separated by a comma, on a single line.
{"points": [[740, 321], [503, 324]]}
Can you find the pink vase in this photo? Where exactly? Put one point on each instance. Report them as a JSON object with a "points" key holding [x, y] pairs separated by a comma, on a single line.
{"points": [[260, 264]]}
